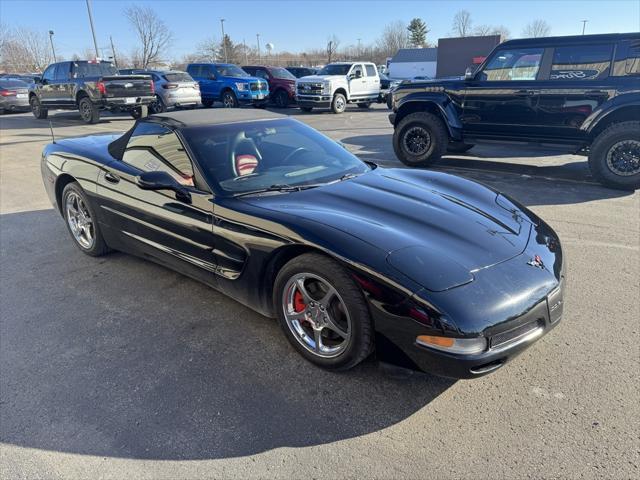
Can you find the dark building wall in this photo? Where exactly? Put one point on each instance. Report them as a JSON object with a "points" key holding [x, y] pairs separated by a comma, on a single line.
{"points": [[456, 54]]}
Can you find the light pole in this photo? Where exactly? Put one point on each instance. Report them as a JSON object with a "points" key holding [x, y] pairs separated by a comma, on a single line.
{"points": [[584, 24], [258, 40], [93, 30], [224, 40], [52, 47], [359, 48]]}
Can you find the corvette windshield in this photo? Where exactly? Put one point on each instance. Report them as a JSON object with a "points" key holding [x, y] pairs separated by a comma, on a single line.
{"points": [[275, 155]]}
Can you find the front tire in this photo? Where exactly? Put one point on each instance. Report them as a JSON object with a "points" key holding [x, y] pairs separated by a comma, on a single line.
{"points": [[229, 99], [614, 156], [420, 139], [82, 222], [281, 99], [323, 312], [339, 103], [207, 103], [88, 111], [37, 109]]}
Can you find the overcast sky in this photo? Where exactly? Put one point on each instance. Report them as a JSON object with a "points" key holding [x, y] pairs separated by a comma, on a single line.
{"points": [[299, 25]]}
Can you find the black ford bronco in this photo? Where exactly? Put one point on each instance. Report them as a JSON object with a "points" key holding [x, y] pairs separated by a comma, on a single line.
{"points": [[89, 86], [581, 92]]}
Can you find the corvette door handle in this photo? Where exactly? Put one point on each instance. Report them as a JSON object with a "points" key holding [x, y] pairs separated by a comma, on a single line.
{"points": [[111, 177]]}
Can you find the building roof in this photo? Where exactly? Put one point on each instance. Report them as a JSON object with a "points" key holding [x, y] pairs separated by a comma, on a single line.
{"points": [[415, 55], [215, 116]]}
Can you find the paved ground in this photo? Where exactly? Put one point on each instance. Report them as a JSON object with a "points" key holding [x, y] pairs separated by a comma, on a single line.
{"points": [[118, 368]]}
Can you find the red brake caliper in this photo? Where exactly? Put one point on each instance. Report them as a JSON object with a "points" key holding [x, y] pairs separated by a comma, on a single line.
{"points": [[298, 302]]}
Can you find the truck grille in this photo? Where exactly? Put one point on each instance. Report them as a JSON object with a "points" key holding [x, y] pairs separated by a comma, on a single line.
{"points": [[257, 86], [309, 88]]}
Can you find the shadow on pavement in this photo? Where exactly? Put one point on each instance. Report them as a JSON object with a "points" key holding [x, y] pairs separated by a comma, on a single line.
{"points": [[119, 357]]}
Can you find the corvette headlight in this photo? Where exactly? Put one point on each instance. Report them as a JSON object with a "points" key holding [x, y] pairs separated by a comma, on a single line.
{"points": [[241, 86], [453, 345]]}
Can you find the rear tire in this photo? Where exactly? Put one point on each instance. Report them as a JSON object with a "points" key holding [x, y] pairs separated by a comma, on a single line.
{"points": [[207, 103], [83, 225], [88, 110], [37, 109], [157, 106], [339, 103], [139, 112], [420, 139], [614, 156], [347, 309]]}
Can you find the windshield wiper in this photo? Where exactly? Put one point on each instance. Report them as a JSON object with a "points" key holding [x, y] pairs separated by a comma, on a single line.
{"points": [[347, 176], [273, 188]]}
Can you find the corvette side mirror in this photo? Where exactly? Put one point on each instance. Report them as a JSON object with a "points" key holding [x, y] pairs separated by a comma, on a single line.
{"points": [[163, 181], [469, 74]]}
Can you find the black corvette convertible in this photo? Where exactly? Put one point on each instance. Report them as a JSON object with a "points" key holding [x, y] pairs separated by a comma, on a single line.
{"points": [[425, 269]]}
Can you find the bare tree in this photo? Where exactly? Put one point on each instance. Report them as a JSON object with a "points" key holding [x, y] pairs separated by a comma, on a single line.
{"points": [[332, 47], [394, 37], [462, 23], [208, 50], [25, 50], [483, 30], [153, 34], [504, 32], [536, 28]]}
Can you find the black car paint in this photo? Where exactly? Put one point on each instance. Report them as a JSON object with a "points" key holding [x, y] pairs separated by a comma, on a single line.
{"points": [[237, 245], [568, 112]]}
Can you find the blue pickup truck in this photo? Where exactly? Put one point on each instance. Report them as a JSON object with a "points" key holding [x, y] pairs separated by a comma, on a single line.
{"points": [[229, 84]]}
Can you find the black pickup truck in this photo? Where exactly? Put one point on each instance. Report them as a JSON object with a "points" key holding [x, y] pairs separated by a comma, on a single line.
{"points": [[89, 87], [580, 92]]}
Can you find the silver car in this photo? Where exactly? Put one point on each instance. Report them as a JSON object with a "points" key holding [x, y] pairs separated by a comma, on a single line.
{"points": [[173, 89], [14, 95]]}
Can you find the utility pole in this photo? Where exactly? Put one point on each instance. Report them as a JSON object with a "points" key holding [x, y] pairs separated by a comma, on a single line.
{"points": [[584, 24], [224, 40], [258, 40], [113, 51], [359, 48], [93, 30], [246, 58], [52, 47]]}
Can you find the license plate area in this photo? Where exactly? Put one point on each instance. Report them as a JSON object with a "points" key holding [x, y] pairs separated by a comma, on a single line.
{"points": [[130, 100], [555, 303], [21, 95]]}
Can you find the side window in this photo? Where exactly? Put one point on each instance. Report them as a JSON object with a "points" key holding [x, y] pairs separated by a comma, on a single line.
{"points": [[627, 59], [62, 71], [371, 70], [508, 65], [357, 68], [262, 74], [196, 71], [49, 73], [581, 62], [153, 147]]}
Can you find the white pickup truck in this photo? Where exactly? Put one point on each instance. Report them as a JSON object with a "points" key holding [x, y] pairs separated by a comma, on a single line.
{"points": [[338, 84]]}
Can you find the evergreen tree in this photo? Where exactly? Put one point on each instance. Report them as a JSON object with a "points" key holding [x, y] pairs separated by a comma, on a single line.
{"points": [[418, 32]]}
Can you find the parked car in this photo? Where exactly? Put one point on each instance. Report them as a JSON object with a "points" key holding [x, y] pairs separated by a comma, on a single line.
{"points": [[25, 77], [173, 89], [228, 84], [338, 84], [282, 84], [89, 87], [387, 85], [14, 95], [579, 92], [300, 72], [426, 269]]}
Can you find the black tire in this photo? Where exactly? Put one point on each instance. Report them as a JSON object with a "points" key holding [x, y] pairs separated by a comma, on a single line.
{"points": [[614, 156], [360, 343], [420, 139], [339, 103], [157, 106], [229, 99], [281, 99], [89, 112], [139, 112], [364, 105], [207, 103], [37, 109], [306, 109], [389, 100], [459, 147], [99, 246]]}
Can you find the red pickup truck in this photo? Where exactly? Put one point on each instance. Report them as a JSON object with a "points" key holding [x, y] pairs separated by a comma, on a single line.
{"points": [[282, 84]]}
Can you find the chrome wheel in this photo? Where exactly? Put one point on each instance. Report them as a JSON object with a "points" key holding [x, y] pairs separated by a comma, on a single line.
{"points": [[623, 158], [416, 141], [340, 103], [79, 220], [316, 315], [228, 101]]}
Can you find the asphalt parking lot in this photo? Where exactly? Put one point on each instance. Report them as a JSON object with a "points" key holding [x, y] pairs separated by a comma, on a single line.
{"points": [[119, 368]]}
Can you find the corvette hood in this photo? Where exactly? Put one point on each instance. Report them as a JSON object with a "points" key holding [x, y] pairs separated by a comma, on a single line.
{"points": [[427, 222]]}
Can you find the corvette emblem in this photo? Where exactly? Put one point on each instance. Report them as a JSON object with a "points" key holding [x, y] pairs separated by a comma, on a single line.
{"points": [[536, 261]]}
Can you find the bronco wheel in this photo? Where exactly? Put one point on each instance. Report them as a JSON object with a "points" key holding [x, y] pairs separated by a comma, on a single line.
{"points": [[229, 99], [419, 139], [281, 99], [81, 221], [614, 156], [323, 312], [88, 111], [339, 103], [38, 110]]}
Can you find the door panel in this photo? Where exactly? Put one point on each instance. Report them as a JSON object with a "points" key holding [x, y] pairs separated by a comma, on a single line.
{"points": [[357, 86]]}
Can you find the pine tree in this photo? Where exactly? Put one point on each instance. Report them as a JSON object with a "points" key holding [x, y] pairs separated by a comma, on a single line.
{"points": [[418, 32]]}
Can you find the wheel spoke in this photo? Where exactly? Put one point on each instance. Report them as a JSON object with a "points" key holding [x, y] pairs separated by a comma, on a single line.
{"points": [[325, 301], [333, 326], [317, 338], [303, 290]]}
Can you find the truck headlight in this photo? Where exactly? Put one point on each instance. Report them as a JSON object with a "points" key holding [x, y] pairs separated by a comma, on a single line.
{"points": [[241, 86], [453, 345], [326, 87]]}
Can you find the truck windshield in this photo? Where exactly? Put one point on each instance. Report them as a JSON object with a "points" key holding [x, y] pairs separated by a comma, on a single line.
{"points": [[231, 71], [86, 69], [335, 70], [255, 156], [282, 73]]}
